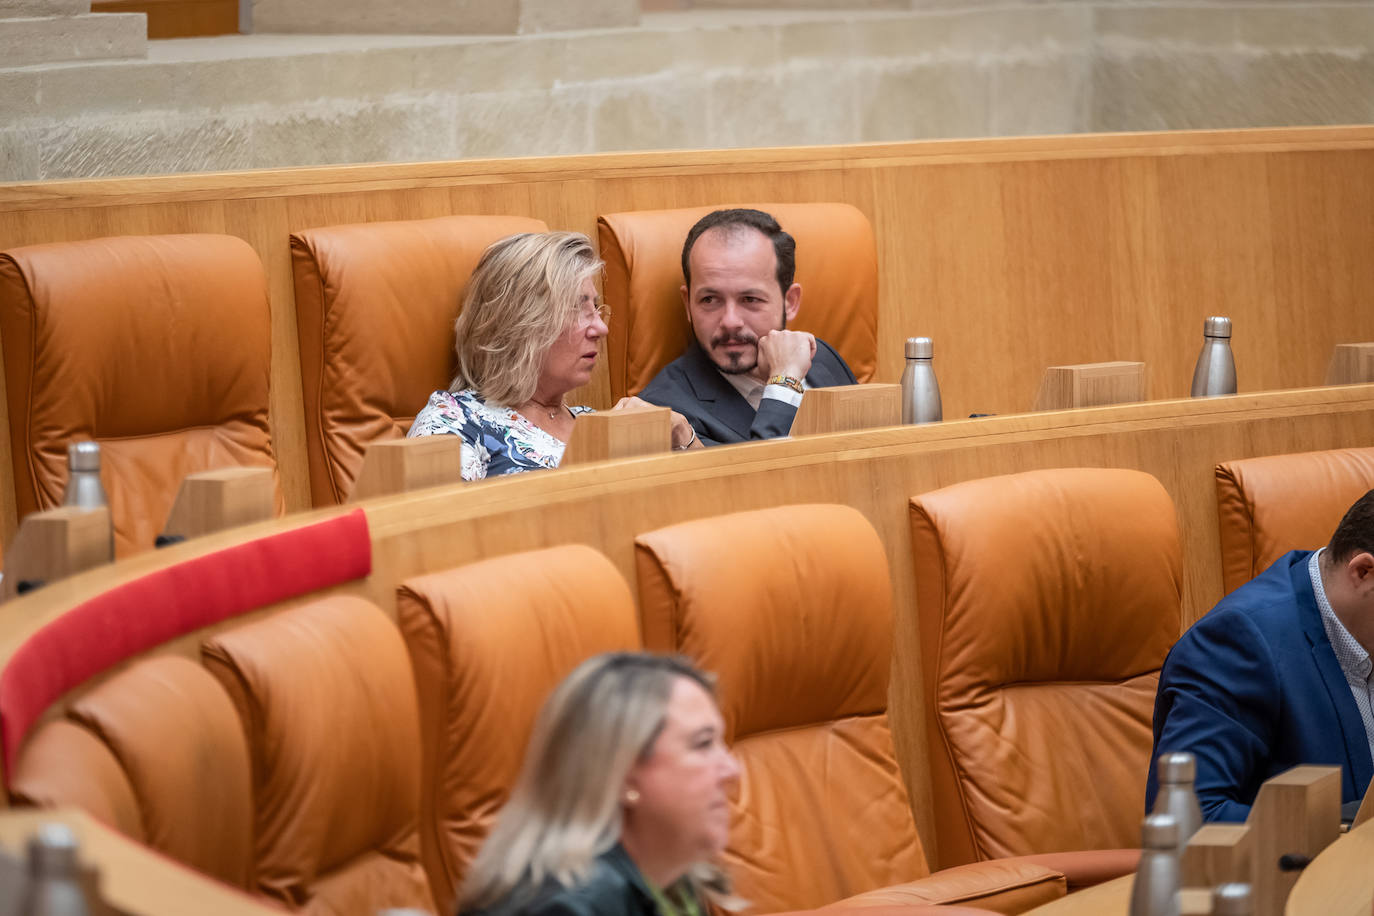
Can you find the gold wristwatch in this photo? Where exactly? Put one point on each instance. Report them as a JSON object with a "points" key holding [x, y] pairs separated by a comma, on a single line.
{"points": [[788, 381]]}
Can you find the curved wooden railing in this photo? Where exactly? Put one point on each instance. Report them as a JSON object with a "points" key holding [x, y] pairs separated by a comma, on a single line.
{"points": [[608, 505]]}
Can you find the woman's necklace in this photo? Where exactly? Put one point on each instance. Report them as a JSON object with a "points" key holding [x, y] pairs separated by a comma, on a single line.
{"points": [[553, 411]]}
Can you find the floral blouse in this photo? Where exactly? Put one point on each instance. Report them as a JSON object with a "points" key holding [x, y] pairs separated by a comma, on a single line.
{"points": [[496, 439]]}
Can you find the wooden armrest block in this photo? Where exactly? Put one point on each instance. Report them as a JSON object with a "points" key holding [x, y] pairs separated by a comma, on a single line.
{"points": [[1297, 812], [846, 408], [628, 433], [57, 543], [1195, 901], [1351, 364], [1219, 854], [402, 465], [1091, 385], [224, 498]]}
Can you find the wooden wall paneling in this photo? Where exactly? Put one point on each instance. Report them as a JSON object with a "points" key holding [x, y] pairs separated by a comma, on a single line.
{"points": [[941, 239], [1324, 284], [265, 223], [1058, 265], [1217, 260]]}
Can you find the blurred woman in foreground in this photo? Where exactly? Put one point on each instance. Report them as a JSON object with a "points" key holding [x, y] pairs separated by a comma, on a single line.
{"points": [[529, 332], [622, 803]]}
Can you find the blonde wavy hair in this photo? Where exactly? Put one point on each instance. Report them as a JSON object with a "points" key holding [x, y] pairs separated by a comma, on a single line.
{"points": [[521, 298], [565, 807]]}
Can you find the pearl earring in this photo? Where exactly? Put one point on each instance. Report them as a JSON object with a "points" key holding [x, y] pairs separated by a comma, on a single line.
{"points": [[631, 796]]}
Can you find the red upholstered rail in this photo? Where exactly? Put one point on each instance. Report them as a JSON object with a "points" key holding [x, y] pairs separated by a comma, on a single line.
{"points": [[136, 616]]}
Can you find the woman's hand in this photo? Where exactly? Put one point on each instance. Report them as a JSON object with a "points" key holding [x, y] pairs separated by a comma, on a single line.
{"points": [[684, 436]]}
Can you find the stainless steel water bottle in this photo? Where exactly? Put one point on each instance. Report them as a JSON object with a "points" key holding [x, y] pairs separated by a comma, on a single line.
{"points": [[1232, 900], [1215, 372], [1156, 888], [84, 488], [54, 875], [920, 390], [1176, 772]]}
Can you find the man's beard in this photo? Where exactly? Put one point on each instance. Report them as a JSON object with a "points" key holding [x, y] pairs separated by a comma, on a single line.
{"points": [[736, 362]]}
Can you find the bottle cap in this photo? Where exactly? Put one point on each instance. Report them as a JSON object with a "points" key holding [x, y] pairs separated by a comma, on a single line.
{"points": [[1232, 900], [1159, 831], [52, 850], [1176, 767], [83, 456], [1216, 326], [919, 348]]}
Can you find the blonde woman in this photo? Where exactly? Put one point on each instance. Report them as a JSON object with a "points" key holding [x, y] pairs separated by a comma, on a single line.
{"points": [[529, 332], [622, 803]]}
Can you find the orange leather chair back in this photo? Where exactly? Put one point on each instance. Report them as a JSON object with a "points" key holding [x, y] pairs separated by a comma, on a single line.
{"points": [[326, 696], [158, 753], [489, 643], [375, 306], [791, 609], [1269, 506], [157, 347], [837, 267], [1046, 603]]}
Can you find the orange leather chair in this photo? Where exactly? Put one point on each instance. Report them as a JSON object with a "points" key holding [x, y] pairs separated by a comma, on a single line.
{"points": [[1269, 506], [326, 696], [489, 643], [375, 306], [158, 753], [791, 609], [837, 267], [157, 347], [1046, 602]]}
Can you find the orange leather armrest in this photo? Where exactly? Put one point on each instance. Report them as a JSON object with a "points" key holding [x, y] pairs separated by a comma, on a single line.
{"points": [[1002, 886], [1088, 867]]}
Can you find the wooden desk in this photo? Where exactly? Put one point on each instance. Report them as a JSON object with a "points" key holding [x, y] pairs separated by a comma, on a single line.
{"points": [[134, 880], [1340, 881], [1109, 899], [1114, 899]]}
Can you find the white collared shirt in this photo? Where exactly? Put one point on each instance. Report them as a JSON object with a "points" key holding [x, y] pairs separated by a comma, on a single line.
{"points": [[755, 391], [1353, 658]]}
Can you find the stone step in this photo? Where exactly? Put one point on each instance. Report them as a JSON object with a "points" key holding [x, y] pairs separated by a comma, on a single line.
{"points": [[441, 17], [38, 9], [58, 39]]}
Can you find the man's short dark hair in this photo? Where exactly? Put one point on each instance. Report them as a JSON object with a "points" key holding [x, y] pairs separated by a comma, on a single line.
{"points": [[784, 246], [1355, 533]]}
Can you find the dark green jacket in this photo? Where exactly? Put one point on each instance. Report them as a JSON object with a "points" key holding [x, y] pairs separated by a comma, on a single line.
{"points": [[613, 888]]}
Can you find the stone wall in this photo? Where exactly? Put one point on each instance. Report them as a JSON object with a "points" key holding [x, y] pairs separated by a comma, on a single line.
{"points": [[692, 79]]}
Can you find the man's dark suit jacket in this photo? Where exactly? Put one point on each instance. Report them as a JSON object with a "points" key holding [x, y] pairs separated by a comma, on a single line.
{"points": [[1254, 688], [693, 386]]}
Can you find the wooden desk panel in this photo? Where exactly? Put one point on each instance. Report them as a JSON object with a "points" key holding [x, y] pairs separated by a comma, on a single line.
{"points": [[1340, 881], [607, 505]]}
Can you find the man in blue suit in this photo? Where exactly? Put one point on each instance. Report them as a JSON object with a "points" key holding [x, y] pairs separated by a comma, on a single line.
{"points": [[744, 373], [1277, 675]]}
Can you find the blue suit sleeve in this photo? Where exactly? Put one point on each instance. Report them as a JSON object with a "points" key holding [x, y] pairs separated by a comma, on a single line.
{"points": [[1218, 699]]}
